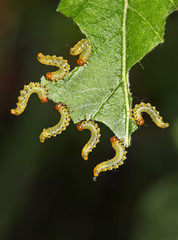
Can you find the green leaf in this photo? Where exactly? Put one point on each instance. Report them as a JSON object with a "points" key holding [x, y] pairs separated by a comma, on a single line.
{"points": [[121, 33]]}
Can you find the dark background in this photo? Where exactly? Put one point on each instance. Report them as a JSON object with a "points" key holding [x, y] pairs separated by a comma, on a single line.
{"points": [[46, 190]]}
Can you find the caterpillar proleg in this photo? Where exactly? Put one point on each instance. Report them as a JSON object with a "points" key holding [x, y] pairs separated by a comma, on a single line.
{"points": [[60, 126], [25, 95], [94, 139], [59, 62], [154, 114], [83, 47], [120, 156]]}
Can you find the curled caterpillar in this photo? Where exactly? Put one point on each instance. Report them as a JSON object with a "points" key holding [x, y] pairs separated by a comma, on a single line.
{"points": [[83, 47], [146, 107], [25, 95], [94, 139], [60, 126], [118, 145], [59, 62]]}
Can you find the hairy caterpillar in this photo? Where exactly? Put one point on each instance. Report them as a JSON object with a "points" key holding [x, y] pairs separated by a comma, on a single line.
{"points": [[83, 47], [25, 95], [118, 145], [94, 139], [146, 107], [59, 62], [60, 126]]}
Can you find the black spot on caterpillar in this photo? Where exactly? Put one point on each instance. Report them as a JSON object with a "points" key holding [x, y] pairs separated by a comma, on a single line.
{"points": [[25, 95], [118, 145], [59, 62], [146, 107], [83, 47], [60, 126], [94, 139]]}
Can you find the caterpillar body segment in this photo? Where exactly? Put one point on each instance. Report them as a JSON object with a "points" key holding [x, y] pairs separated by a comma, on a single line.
{"points": [[59, 62], [83, 47], [120, 156], [25, 95], [154, 114], [94, 139], [60, 126]]}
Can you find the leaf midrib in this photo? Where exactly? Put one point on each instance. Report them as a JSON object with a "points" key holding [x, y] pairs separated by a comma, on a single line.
{"points": [[124, 76]]}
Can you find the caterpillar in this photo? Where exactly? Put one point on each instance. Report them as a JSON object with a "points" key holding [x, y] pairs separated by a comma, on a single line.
{"points": [[154, 114], [25, 95], [59, 62], [94, 139], [118, 145], [60, 126], [83, 47]]}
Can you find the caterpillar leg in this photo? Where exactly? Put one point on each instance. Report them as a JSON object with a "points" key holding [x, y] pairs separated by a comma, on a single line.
{"points": [[60, 126], [59, 62], [25, 95], [83, 47], [154, 114], [94, 139], [118, 145]]}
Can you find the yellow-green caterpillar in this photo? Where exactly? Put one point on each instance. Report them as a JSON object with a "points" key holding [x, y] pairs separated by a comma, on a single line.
{"points": [[94, 139], [154, 114], [60, 126], [118, 145], [25, 95], [83, 47], [59, 62]]}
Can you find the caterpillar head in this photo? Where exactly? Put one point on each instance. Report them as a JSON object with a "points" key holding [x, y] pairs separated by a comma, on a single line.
{"points": [[79, 126], [48, 76], [80, 62], [44, 100], [58, 106], [140, 122], [113, 139]]}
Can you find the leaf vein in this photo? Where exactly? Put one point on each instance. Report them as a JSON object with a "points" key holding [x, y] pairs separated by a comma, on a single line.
{"points": [[106, 99], [82, 9], [173, 3], [140, 15], [107, 40]]}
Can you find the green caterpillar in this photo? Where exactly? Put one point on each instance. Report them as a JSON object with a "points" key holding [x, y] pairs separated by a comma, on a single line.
{"points": [[83, 47], [25, 95], [120, 156], [60, 126], [59, 62], [94, 139], [154, 114]]}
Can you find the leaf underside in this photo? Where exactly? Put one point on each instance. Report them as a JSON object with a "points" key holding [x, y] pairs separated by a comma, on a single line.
{"points": [[122, 32]]}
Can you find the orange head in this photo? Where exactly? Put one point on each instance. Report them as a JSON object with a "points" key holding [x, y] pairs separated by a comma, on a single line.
{"points": [[113, 139], [58, 106], [140, 122], [44, 100], [48, 76], [79, 127], [80, 62]]}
